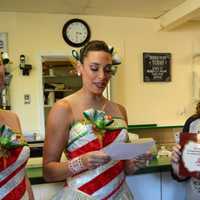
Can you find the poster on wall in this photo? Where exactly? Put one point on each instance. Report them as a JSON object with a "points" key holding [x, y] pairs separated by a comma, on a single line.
{"points": [[156, 67], [3, 42]]}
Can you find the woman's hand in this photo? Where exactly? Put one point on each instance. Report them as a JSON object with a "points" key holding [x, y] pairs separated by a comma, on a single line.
{"points": [[94, 159], [137, 163], [176, 154], [175, 157], [143, 160]]}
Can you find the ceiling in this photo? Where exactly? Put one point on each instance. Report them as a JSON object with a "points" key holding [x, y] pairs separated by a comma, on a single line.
{"points": [[156, 9], [121, 8]]}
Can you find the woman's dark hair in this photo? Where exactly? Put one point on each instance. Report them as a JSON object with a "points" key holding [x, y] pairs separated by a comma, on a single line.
{"points": [[94, 45], [198, 109]]}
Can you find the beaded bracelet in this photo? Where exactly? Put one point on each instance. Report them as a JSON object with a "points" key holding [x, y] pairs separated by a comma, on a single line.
{"points": [[76, 165]]}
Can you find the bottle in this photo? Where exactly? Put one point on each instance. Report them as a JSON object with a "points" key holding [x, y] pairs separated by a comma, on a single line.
{"points": [[51, 98]]}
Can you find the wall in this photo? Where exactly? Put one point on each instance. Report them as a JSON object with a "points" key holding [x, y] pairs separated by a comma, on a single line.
{"points": [[163, 103]]}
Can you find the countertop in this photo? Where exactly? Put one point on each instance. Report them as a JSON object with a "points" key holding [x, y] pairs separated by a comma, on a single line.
{"points": [[34, 168]]}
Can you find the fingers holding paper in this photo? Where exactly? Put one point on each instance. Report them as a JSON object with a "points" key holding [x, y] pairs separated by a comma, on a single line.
{"points": [[137, 163], [95, 159]]}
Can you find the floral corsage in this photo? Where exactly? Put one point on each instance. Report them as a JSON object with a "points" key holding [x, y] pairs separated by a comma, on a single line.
{"points": [[99, 121], [9, 140]]}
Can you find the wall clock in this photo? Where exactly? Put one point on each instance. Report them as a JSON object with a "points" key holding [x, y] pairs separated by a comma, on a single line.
{"points": [[76, 32]]}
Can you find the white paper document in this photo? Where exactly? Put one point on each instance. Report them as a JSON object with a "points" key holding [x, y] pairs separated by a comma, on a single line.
{"points": [[126, 151]]}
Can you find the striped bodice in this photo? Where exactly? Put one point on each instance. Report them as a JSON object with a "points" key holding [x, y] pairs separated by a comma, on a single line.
{"points": [[12, 178], [105, 181], [13, 157]]}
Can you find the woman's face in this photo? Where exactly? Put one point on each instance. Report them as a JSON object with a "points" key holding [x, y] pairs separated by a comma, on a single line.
{"points": [[96, 71], [2, 76]]}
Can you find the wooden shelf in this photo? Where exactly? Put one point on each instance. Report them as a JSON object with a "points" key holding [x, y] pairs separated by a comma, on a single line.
{"points": [[47, 106]]}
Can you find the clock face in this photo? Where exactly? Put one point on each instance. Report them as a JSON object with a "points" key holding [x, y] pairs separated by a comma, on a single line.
{"points": [[76, 32]]}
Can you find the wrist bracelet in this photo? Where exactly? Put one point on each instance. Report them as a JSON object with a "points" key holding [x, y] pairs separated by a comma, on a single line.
{"points": [[76, 165]]}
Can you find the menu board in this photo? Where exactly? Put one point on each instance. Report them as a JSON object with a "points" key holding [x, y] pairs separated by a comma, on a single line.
{"points": [[156, 67]]}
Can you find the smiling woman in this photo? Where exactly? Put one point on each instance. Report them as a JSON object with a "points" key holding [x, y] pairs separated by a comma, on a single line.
{"points": [[86, 122]]}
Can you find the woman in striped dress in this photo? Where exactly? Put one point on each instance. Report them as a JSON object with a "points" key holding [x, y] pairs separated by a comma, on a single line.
{"points": [[14, 153], [81, 125]]}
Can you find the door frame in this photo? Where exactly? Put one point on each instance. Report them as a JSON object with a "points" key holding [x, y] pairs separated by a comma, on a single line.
{"points": [[41, 57]]}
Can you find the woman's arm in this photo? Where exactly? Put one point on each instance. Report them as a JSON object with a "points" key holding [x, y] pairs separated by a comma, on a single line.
{"points": [[56, 139], [29, 189]]}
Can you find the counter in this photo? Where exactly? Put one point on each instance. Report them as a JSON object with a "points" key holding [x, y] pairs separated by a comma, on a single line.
{"points": [[34, 168], [155, 178]]}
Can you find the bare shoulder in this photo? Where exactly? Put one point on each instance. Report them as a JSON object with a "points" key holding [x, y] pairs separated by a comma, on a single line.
{"points": [[60, 113], [9, 113], [11, 119], [120, 107]]}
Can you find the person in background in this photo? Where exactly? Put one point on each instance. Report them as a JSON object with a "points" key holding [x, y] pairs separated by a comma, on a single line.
{"points": [[192, 125], [14, 153], [81, 125]]}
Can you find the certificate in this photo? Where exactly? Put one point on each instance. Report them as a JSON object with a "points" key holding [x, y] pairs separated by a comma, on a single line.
{"points": [[126, 151], [190, 162]]}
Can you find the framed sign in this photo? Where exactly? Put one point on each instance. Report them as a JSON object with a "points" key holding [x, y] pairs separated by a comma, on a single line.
{"points": [[3, 42], [156, 67]]}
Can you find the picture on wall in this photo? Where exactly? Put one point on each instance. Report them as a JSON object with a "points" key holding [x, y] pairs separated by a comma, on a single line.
{"points": [[3, 42], [156, 67]]}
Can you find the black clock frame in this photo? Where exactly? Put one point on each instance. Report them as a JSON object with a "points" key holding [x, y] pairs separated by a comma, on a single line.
{"points": [[69, 41]]}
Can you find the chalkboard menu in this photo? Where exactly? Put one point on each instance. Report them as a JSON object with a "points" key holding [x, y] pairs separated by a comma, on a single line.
{"points": [[156, 67]]}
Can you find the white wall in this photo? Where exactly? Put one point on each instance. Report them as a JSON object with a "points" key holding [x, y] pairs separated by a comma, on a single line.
{"points": [[31, 34]]}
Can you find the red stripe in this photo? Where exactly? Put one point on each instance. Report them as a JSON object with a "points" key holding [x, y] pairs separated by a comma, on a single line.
{"points": [[94, 145], [91, 146], [12, 174], [110, 136], [17, 193], [103, 179], [12, 157], [115, 190]]}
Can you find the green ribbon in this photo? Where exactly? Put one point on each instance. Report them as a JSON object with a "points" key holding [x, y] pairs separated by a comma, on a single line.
{"points": [[9, 139], [98, 118]]}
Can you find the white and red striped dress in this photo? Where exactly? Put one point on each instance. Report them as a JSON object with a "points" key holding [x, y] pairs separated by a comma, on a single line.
{"points": [[12, 174], [108, 180]]}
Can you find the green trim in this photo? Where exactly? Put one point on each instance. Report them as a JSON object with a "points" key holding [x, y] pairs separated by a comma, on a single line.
{"points": [[151, 126], [118, 117], [118, 123], [34, 172]]}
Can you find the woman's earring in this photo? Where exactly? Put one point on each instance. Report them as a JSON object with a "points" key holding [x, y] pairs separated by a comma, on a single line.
{"points": [[78, 73]]}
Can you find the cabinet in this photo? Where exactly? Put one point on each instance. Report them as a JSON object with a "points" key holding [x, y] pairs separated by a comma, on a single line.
{"points": [[171, 189], [156, 186], [59, 80], [145, 186]]}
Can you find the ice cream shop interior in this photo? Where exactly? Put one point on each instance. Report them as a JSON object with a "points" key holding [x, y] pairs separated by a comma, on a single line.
{"points": [[157, 79]]}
